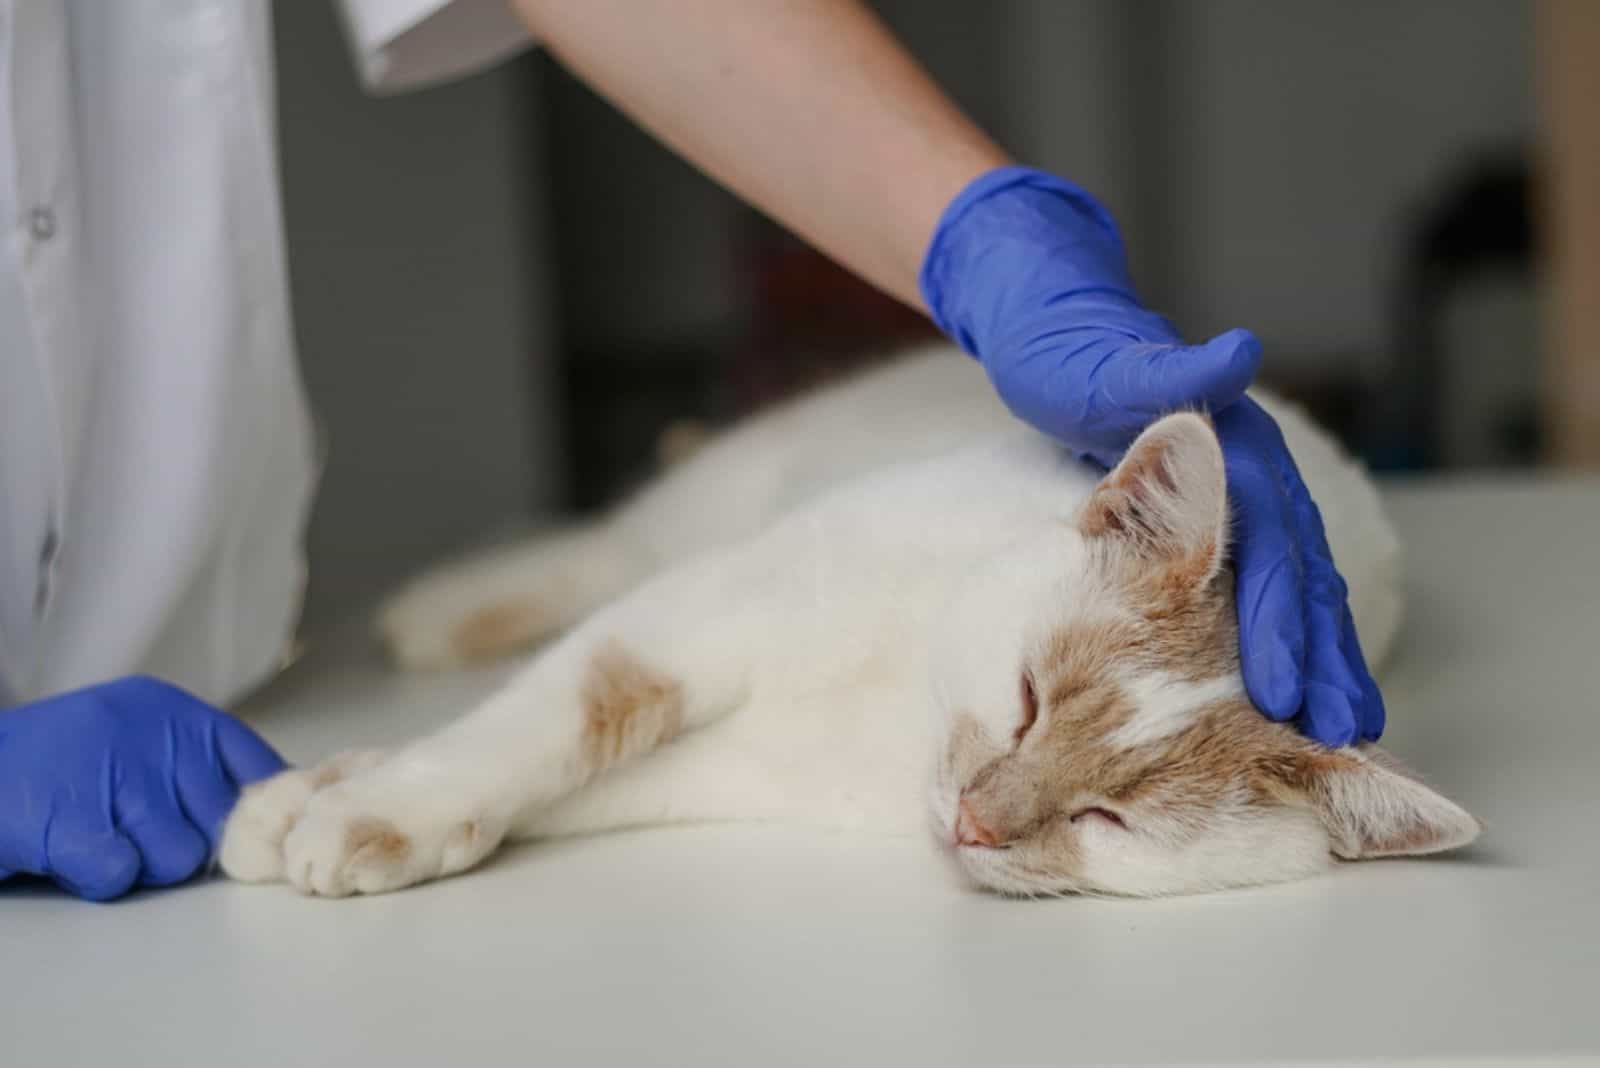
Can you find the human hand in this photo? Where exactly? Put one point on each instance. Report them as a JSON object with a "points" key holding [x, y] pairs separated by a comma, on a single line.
{"points": [[1297, 641], [1027, 272], [123, 784]]}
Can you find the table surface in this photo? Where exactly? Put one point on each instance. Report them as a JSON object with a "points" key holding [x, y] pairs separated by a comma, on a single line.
{"points": [[747, 945]]}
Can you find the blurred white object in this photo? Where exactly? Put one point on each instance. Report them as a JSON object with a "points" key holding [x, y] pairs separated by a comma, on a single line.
{"points": [[156, 460], [407, 44]]}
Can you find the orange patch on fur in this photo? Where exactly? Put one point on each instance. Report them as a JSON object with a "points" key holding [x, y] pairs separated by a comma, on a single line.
{"points": [[1178, 620], [340, 767], [1102, 516], [1229, 746], [499, 629], [1229, 751], [1176, 627], [327, 775], [376, 840], [1194, 630], [628, 708], [1169, 575]]}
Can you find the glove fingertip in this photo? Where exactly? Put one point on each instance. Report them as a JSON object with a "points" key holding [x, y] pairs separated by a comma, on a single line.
{"points": [[172, 854], [1374, 722], [1243, 347], [247, 756], [1329, 716], [1228, 364], [1372, 714], [98, 870], [1272, 648], [1277, 694], [1334, 735]]}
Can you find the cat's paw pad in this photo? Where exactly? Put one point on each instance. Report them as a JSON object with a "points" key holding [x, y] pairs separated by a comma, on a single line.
{"points": [[252, 841], [364, 839]]}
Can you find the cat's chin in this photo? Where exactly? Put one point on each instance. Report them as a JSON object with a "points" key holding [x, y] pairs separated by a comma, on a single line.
{"points": [[943, 802], [991, 871], [963, 874]]}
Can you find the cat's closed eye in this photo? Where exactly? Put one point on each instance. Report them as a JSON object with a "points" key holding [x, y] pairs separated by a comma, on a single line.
{"points": [[1030, 708], [1100, 813]]}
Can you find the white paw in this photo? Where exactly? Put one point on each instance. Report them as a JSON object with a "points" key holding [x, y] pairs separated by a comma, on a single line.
{"points": [[458, 615], [252, 841], [382, 832]]}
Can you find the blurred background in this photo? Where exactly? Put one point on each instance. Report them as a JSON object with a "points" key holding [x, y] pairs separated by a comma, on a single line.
{"points": [[507, 297]]}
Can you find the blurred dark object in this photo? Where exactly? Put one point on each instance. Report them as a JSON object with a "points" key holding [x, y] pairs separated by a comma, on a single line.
{"points": [[1447, 401], [810, 321], [640, 260], [1335, 402], [620, 402]]}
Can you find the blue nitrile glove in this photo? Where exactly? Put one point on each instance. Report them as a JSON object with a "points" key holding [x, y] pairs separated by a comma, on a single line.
{"points": [[1026, 271], [120, 785]]}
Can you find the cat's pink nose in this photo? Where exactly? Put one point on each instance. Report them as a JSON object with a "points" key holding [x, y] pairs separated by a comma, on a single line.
{"points": [[970, 832]]}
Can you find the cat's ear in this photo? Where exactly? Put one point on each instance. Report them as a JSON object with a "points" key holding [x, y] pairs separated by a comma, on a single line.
{"points": [[1167, 499], [1372, 806]]}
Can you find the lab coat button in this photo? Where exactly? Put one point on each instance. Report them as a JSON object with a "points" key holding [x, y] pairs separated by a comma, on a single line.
{"points": [[42, 224]]}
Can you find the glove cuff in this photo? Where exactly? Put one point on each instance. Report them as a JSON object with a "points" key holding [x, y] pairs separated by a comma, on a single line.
{"points": [[1016, 218]]}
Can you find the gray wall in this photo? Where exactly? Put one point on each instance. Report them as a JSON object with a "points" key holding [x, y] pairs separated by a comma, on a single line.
{"points": [[420, 308], [1303, 134], [1262, 155]]}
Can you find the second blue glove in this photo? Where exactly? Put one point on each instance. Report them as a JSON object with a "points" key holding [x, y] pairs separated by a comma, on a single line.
{"points": [[120, 785]]}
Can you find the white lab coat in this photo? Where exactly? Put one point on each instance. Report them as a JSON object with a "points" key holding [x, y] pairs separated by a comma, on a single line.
{"points": [[156, 455]]}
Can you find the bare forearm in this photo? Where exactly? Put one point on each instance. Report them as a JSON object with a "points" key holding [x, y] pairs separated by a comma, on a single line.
{"points": [[809, 109]]}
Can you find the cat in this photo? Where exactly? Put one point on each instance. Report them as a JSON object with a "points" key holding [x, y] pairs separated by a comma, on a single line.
{"points": [[884, 606]]}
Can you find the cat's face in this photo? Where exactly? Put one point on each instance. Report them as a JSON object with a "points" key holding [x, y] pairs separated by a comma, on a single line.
{"points": [[1097, 737]]}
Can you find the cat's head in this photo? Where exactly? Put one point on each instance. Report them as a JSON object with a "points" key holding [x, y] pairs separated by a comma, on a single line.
{"points": [[1097, 736]]}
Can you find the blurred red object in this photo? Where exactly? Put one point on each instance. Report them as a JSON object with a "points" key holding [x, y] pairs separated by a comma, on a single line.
{"points": [[809, 320]]}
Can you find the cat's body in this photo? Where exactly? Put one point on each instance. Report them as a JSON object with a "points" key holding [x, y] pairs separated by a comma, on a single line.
{"points": [[829, 609]]}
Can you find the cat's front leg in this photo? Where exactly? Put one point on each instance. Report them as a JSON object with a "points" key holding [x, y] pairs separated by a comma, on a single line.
{"points": [[672, 656]]}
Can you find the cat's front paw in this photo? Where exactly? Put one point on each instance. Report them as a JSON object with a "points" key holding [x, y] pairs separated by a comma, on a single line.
{"points": [[381, 832], [252, 841]]}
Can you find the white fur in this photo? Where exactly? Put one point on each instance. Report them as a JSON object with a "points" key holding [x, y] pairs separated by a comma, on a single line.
{"points": [[1282, 844], [1369, 813], [1166, 705], [814, 594]]}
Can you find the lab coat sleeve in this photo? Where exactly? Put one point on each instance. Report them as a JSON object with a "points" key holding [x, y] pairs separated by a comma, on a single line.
{"points": [[410, 44]]}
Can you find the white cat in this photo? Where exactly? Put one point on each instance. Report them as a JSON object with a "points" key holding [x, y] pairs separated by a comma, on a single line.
{"points": [[885, 599]]}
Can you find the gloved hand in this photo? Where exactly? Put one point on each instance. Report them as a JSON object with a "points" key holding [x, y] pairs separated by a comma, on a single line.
{"points": [[119, 785], [1027, 272]]}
